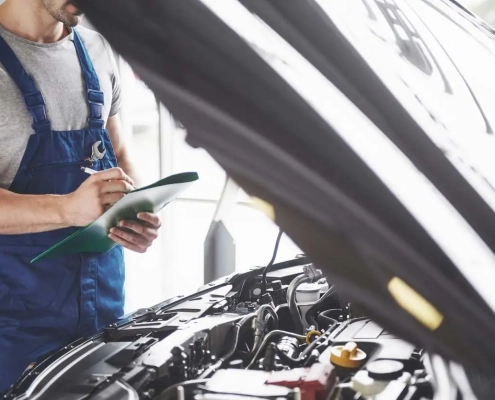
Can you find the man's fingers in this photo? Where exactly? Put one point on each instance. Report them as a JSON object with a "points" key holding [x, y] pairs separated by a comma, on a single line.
{"points": [[134, 235], [140, 228], [128, 245], [112, 198], [153, 219], [131, 237], [112, 174], [116, 186]]}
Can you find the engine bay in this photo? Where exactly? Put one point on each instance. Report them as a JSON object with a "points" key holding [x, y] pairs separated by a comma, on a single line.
{"points": [[286, 333]]}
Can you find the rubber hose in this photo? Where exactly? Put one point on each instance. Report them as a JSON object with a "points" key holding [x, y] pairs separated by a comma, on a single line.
{"points": [[230, 353], [318, 306], [268, 308], [267, 338], [261, 317], [280, 306], [291, 300], [293, 362], [274, 315], [238, 327], [325, 321], [337, 312]]}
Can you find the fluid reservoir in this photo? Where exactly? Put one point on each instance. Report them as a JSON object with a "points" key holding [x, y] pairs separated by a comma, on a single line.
{"points": [[307, 293], [323, 285], [377, 376]]}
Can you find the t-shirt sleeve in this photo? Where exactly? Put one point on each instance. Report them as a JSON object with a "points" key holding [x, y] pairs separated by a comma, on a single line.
{"points": [[116, 84]]}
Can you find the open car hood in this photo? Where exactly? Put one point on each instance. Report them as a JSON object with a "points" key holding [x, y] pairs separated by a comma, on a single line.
{"points": [[359, 122]]}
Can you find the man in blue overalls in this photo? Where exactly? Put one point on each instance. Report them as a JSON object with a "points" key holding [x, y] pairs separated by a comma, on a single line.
{"points": [[59, 103]]}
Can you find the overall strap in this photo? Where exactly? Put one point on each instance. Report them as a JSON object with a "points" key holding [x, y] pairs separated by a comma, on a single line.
{"points": [[33, 99], [94, 94]]}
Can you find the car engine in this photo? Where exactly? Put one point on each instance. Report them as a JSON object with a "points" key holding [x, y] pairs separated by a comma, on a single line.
{"points": [[283, 333]]}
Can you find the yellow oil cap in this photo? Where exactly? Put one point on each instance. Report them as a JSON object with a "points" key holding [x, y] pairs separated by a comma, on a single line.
{"points": [[348, 356]]}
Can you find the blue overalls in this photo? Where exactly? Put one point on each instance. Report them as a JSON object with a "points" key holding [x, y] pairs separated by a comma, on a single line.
{"points": [[50, 303]]}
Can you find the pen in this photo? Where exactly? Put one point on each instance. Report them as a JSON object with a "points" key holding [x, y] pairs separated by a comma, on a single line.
{"points": [[89, 170], [92, 171]]}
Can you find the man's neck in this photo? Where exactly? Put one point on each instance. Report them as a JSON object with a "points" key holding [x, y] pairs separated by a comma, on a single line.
{"points": [[30, 20]]}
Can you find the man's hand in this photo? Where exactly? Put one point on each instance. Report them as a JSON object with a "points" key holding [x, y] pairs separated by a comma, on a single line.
{"points": [[95, 195], [134, 235], [137, 236]]}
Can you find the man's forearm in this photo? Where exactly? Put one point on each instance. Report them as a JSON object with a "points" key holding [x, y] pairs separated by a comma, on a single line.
{"points": [[114, 127], [127, 166], [31, 213]]}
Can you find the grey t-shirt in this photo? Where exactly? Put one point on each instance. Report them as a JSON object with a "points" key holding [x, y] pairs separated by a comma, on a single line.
{"points": [[57, 73]]}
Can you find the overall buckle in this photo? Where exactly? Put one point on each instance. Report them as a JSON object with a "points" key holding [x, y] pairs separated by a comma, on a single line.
{"points": [[35, 104], [95, 101]]}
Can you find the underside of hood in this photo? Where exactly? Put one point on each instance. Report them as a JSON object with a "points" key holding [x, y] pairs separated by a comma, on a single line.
{"points": [[285, 102]]}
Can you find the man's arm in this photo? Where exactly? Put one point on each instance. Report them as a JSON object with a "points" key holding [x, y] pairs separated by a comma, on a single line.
{"points": [[21, 213], [137, 236], [114, 128], [31, 214]]}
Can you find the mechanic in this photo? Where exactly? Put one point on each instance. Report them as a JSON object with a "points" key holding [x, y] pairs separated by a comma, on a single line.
{"points": [[59, 105]]}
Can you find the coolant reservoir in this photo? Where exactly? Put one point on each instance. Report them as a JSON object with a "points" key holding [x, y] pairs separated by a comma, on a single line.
{"points": [[377, 376], [307, 293], [366, 386], [323, 285]]}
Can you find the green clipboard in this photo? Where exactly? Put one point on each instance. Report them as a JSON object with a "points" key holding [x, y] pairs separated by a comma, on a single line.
{"points": [[94, 237]]}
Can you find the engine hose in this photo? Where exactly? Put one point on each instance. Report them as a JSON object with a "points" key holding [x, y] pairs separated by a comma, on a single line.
{"points": [[274, 315], [280, 306], [318, 306], [267, 338], [293, 362], [325, 321], [271, 312], [237, 331], [291, 300], [171, 391], [261, 322]]}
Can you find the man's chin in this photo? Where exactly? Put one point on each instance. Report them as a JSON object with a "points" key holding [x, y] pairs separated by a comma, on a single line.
{"points": [[73, 20]]}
